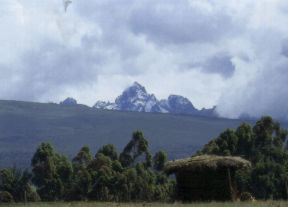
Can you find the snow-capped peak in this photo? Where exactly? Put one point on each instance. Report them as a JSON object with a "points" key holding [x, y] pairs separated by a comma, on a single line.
{"points": [[136, 98], [105, 105], [178, 99], [136, 91], [181, 105], [138, 86]]}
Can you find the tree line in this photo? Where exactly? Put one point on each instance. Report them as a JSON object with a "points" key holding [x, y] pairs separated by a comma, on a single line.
{"points": [[134, 175]]}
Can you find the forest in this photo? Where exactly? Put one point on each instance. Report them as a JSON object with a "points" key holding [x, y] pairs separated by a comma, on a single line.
{"points": [[134, 175]]}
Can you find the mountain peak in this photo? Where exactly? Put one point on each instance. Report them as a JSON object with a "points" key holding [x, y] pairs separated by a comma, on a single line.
{"points": [[136, 84], [181, 105], [69, 101], [136, 87], [179, 100], [136, 91], [135, 98]]}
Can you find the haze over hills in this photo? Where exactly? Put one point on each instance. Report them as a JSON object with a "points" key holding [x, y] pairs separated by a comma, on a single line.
{"points": [[24, 125], [136, 98]]}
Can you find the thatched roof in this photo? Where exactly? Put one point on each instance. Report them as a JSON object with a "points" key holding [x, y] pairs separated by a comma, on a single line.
{"points": [[204, 162]]}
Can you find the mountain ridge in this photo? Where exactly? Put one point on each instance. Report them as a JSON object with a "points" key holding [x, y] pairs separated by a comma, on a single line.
{"points": [[136, 98]]}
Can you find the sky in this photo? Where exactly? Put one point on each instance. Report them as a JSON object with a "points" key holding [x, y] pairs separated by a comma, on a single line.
{"points": [[229, 53]]}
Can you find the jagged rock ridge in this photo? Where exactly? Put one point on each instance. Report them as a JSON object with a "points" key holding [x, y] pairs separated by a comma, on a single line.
{"points": [[136, 98]]}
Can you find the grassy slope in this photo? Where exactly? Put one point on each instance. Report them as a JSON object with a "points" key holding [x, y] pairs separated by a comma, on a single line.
{"points": [[24, 125], [93, 204]]}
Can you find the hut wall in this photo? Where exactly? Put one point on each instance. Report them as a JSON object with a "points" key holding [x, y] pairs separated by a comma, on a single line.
{"points": [[206, 185]]}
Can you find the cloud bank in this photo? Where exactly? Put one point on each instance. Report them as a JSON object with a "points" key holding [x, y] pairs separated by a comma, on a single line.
{"points": [[225, 53]]}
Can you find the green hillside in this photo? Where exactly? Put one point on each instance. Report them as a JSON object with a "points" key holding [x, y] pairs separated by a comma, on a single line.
{"points": [[24, 125]]}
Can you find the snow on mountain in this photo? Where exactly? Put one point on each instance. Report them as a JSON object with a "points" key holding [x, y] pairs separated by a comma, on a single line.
{"points": [[181, 105], [136, 98], [105, 105]]}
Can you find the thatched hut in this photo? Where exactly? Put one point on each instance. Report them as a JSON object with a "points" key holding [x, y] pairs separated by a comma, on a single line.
{"points": [[206, 177]]}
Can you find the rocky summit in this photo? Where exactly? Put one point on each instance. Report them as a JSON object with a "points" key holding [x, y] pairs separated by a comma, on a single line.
{"points": [[69, 101], [136, 98]]}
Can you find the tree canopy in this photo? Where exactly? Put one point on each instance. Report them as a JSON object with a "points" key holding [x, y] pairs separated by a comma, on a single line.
{"points": [[106, 177], [264, 144]]}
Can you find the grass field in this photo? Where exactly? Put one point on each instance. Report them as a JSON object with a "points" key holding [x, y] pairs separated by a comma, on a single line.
{"points": [[97, 204]]}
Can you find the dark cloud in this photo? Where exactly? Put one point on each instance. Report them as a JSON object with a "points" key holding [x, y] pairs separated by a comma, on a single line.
{"points": [[166, 22], [285, 48], [220, 64]]}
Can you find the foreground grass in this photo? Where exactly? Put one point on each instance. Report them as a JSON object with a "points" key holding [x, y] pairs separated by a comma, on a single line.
{"points": [[98, 204]]}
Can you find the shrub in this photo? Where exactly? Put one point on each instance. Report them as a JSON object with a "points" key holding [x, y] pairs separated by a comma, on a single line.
{"points": [[6, 197], [246, 196]]}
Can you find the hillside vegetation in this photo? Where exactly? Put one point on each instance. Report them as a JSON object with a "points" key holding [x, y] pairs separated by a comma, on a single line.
{"points": [[135, 175], [25, 125]]}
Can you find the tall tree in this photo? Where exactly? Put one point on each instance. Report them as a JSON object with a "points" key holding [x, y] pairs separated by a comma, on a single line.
{"points": [[64, 171], [263, 131], [83, 156], [159, 159], [109, 150], [17, 183], [45, 177], [246, 140], [137, 146]]}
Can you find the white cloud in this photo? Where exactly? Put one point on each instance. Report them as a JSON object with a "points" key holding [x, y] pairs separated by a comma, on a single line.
{"points": [[227, 53]]}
